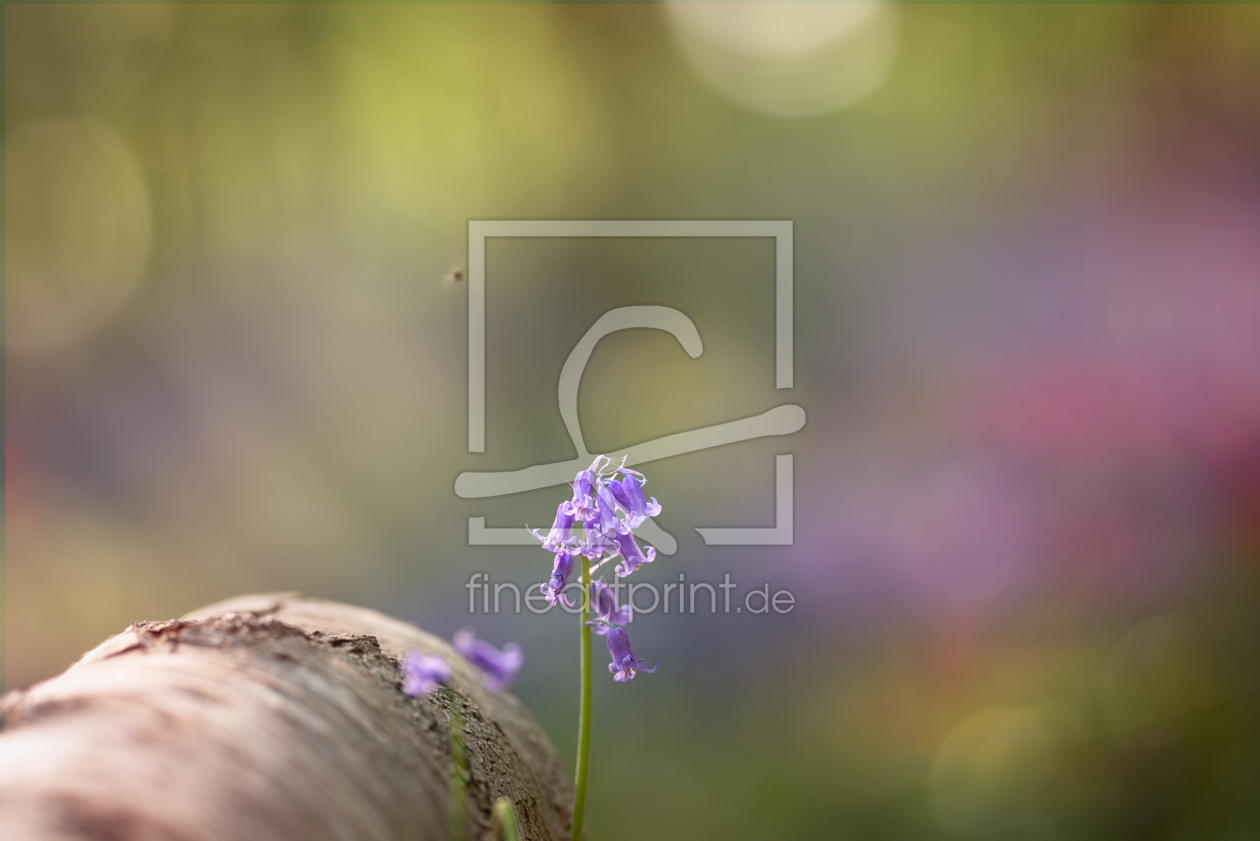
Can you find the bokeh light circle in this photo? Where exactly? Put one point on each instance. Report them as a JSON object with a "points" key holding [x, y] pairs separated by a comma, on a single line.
{"points": [[77, 228], [992, 772], [1155, 675], [789, 59]]}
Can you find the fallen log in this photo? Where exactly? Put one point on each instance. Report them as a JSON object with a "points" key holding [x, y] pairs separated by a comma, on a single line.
{"points": [[270, 717]]}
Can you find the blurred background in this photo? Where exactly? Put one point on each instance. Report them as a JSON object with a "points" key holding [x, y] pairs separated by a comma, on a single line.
{"points": [[1027, 249]]}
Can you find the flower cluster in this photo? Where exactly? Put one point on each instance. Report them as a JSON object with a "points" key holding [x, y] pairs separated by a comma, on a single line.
{"points": [[597, 525], [423, 672]]}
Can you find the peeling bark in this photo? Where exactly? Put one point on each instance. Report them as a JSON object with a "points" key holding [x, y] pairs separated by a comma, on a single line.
{"points": [[270, 717]]}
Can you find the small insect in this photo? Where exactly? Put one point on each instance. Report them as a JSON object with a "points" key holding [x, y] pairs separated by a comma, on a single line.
{"points": [[454, 276]]}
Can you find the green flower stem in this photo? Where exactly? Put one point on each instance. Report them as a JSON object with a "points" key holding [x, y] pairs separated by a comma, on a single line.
{"points": [[459, 768], [584, 716]]}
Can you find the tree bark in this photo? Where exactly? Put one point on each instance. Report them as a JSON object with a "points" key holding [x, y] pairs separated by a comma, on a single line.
{"points": [[270, 717]]}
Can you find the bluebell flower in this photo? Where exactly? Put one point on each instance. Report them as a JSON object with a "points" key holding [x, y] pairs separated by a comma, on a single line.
{"points": [[631, 555], [553, 590], [561, 536], [606, 512], [629, 495], [623, 665], [625, 503], [596, 543], [423, 672], [604, 606], [500, 666], [582, 506]]}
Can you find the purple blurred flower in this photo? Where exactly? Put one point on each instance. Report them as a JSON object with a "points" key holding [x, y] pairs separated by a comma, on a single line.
{"points": [[423, 672], [624, 664], [604, 606], [553, 590], [631, 555], [499, 666], [561, 535], [629, 495]]}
